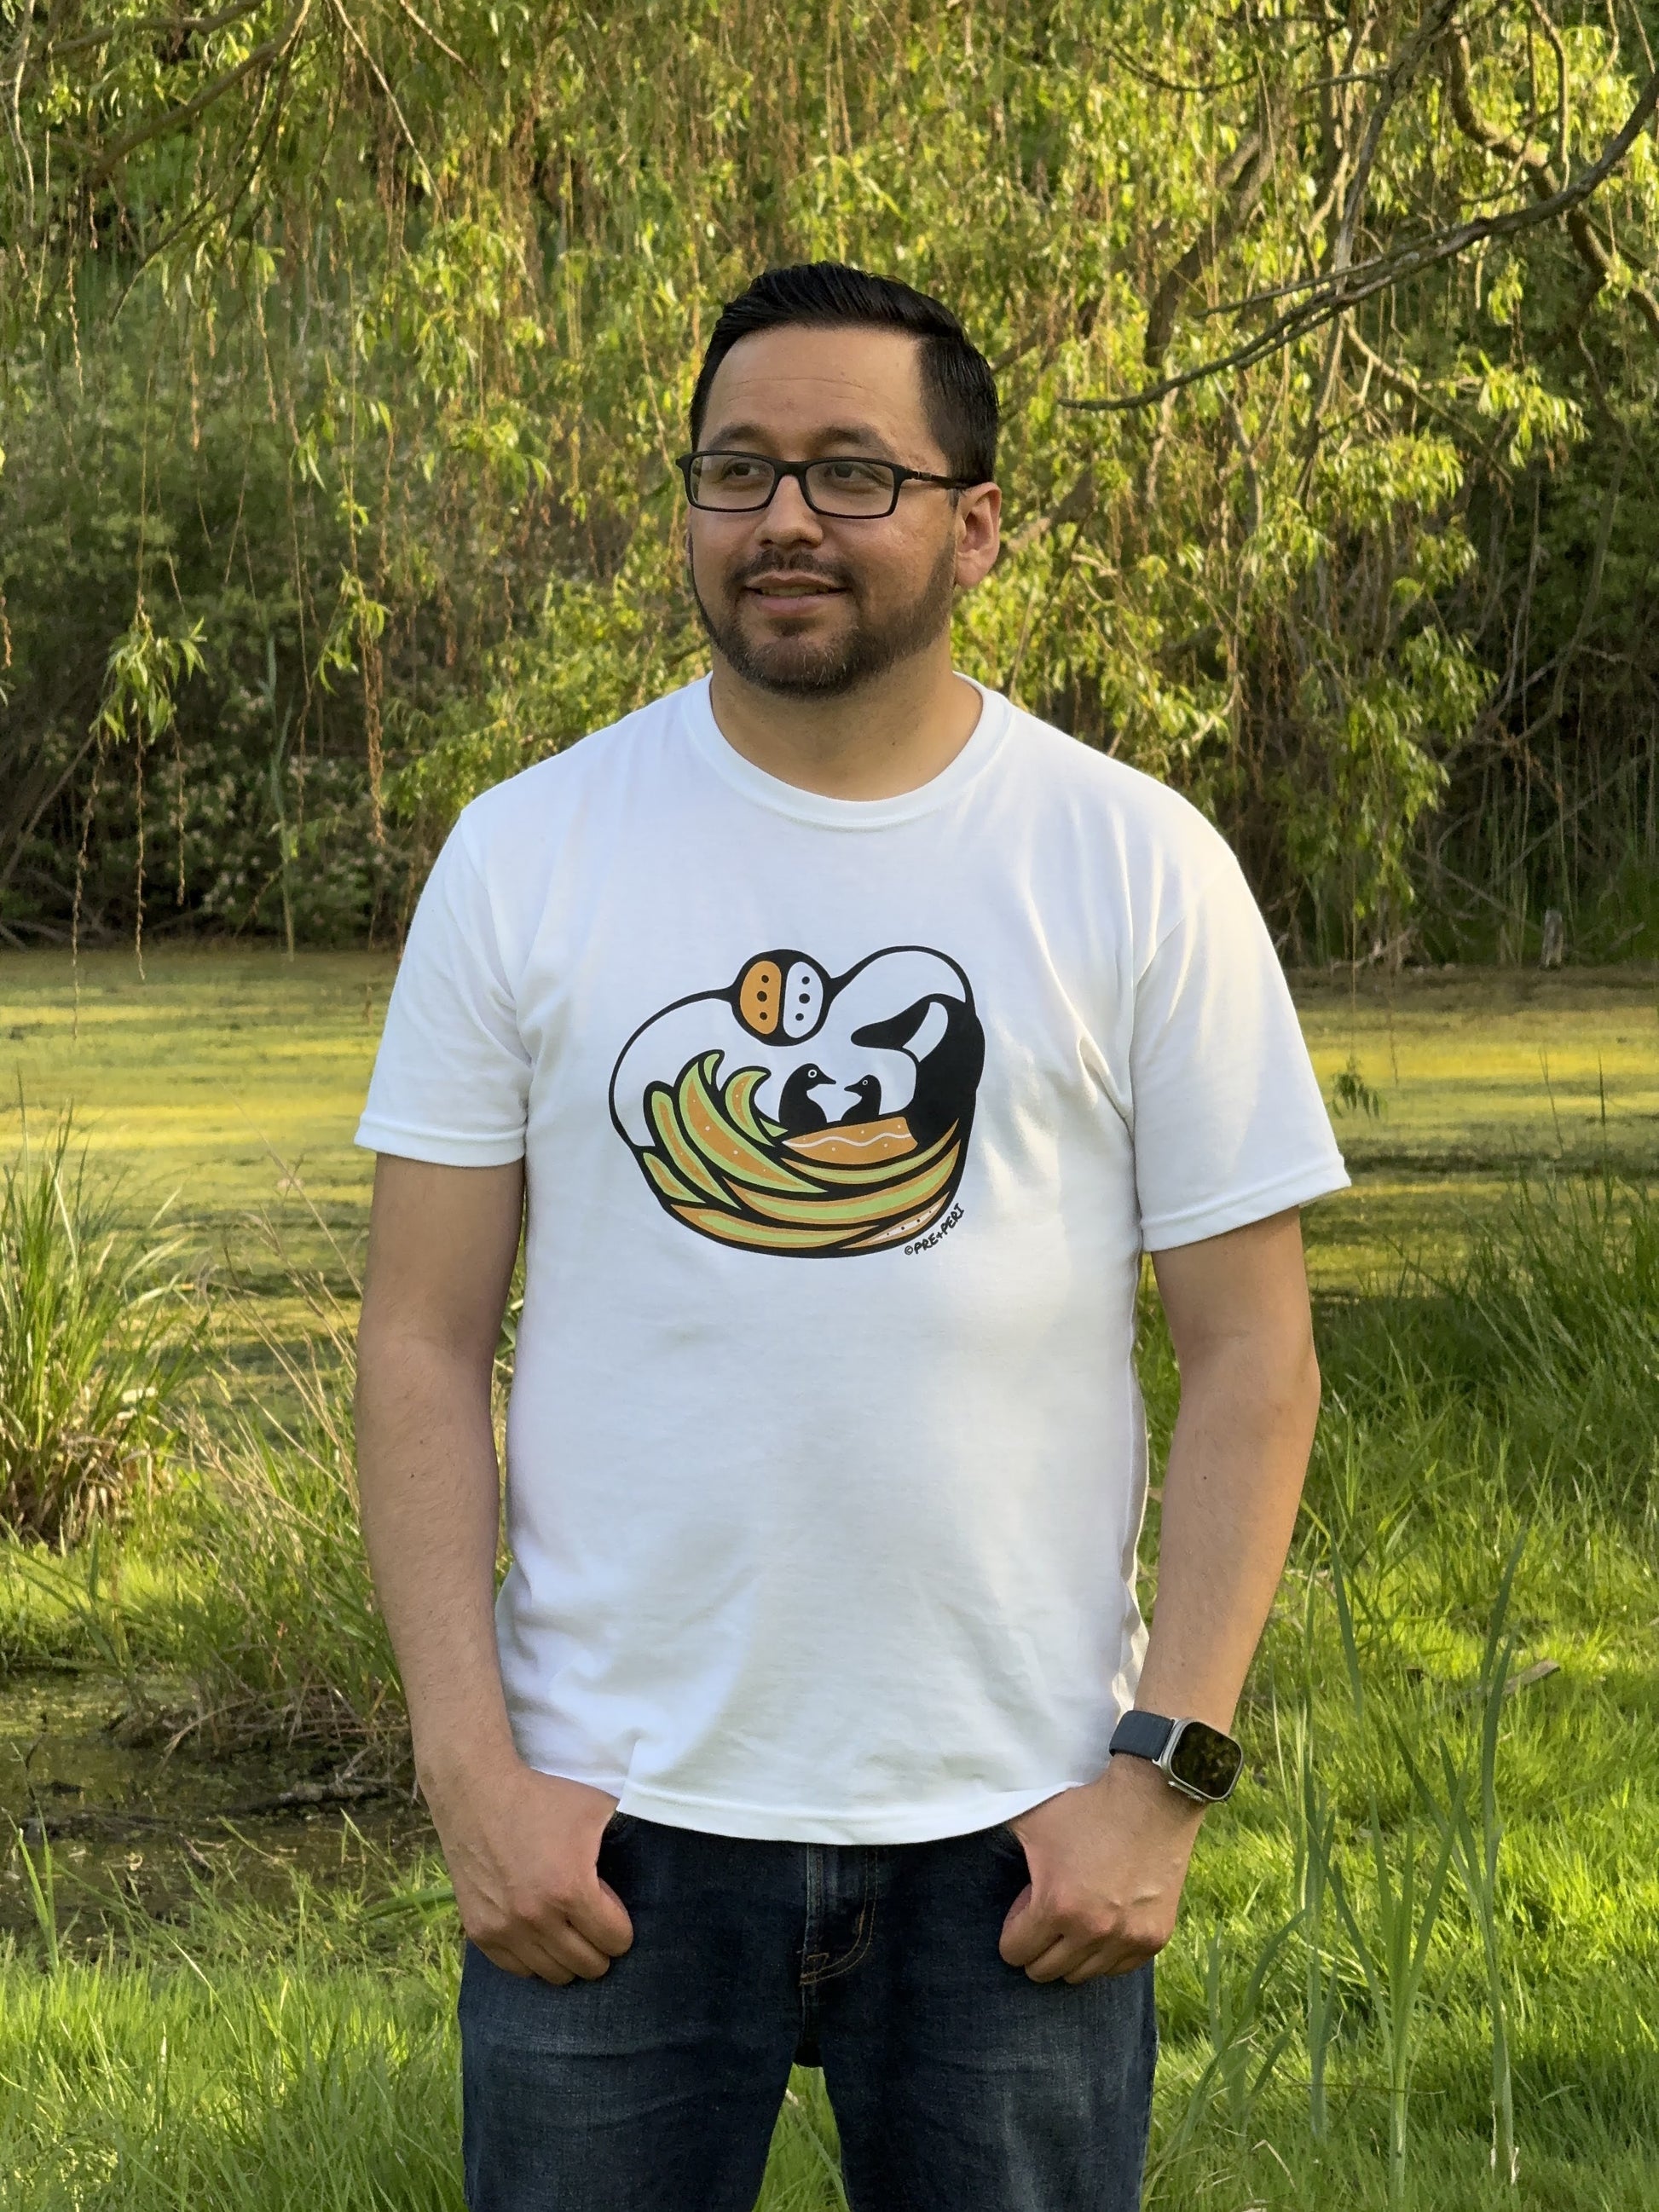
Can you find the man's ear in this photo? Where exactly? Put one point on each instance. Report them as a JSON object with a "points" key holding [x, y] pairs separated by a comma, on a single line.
{"points": [[979, 545]]}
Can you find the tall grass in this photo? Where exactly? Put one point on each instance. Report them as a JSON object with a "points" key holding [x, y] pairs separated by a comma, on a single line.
{"points": [[284, 1636], [267, 2057], [242, 1578], [1461, 2008], [1546, 1328], [96, 1345], [1419, 1957]]}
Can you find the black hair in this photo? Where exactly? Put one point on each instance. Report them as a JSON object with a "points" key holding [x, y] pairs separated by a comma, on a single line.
{"points": [[958, 389]]}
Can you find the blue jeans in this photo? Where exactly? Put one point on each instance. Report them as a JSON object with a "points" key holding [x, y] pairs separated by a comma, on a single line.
{"points": [[958, 2084]]}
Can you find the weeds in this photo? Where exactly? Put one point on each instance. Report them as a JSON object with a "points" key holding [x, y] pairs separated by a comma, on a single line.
{"points": [[1391, 1944], [1547, 1328], [95, 1349], [40, 1879], [1313, 1830], [1352, 1094], [1475, 1853], [284, 1637], [1411, 1967]]}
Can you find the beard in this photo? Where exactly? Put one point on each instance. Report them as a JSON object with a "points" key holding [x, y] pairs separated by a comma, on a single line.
{"points": [[803, 668]]}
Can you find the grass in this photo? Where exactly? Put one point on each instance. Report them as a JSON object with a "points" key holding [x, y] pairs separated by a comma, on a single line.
{"points": [[258, 2057], [95, 1344], [1458, 1878], [1430, 1918]]}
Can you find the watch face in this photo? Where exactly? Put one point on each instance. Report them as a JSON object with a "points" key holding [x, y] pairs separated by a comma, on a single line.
{"points": [[1205, 1761]]}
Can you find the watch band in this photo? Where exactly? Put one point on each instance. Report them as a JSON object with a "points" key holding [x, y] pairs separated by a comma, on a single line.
{"points": [[1142, 1735]]}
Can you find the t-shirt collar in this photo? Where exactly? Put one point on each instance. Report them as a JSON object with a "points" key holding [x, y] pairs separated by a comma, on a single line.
{"points": [[816, 806]]}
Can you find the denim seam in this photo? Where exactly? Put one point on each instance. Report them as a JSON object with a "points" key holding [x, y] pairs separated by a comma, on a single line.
{"points": [[814, 1902], [864, 1931]]}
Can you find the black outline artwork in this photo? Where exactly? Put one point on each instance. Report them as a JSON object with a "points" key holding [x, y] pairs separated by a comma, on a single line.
{"points": [[828, 1168]]}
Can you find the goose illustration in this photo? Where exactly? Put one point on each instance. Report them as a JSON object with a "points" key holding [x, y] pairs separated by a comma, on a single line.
{"points": [[794, 1111]]}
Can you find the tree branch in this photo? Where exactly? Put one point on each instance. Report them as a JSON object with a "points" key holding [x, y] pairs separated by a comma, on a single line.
{"points": [[1400, 73], [1340, 289], [1543, 178], [159, 125], [1243, 178], [175, 27]]}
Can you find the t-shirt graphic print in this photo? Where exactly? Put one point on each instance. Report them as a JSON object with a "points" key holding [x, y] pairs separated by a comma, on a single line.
{"points": [[796, 1112]]}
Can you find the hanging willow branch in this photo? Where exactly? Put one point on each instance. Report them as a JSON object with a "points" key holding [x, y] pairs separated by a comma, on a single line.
{"points": [[263, 56], [1334, 293]]}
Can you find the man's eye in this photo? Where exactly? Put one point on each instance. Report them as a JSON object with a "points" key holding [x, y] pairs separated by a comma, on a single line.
{"points": [[844, 475], [731, 471]]}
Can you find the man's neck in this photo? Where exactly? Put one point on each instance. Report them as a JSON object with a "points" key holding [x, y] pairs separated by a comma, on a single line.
{"points": [[890, 736]]}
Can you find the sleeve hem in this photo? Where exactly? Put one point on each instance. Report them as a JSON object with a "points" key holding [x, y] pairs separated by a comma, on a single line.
{"points": [[438, 1149], [1240, 1208]]}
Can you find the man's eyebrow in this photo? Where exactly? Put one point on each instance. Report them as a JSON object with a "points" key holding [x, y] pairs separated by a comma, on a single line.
{"points": [[732, 434]]}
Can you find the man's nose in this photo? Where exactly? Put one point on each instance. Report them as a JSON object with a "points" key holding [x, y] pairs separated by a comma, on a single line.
{"points": [[787, 519]]}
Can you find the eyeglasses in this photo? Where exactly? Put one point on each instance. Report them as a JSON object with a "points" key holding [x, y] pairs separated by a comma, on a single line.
{"points": [[847, 488]]}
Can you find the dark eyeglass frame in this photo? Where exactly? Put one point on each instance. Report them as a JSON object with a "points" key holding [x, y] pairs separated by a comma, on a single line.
{"points": [[900, 476]]}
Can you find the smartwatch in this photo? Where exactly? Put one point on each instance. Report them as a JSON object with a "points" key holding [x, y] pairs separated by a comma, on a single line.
{"points": [[1196, 1758]]}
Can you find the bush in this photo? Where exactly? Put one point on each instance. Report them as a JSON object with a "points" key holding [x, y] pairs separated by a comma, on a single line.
{"points": [[96, 1350]]}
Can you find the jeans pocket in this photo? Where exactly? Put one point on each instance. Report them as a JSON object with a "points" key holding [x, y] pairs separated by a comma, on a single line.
{"points": [[1006, 1843]]}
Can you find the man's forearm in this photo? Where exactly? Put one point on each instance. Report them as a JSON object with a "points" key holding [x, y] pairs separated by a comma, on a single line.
{"points": [[1108, 1860], [1230, 1492], [430, 1494], [522, 1848]]}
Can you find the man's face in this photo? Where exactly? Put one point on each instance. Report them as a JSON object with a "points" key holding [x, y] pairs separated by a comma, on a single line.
{"points": [[805, 605]]}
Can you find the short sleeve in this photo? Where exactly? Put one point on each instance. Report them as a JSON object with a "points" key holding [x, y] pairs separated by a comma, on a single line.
{"points": [[1229, 1123], [451, 1078]]}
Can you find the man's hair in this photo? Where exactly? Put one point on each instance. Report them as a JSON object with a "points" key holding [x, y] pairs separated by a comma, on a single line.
{"points": [[957, 387]]}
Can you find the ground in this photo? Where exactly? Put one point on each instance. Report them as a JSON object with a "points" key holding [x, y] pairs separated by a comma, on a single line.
{"points": [[204, 1987]]}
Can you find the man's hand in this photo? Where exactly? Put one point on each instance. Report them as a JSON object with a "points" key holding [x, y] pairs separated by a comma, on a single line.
{"points": [[523, 1850], [1107, 1863]]}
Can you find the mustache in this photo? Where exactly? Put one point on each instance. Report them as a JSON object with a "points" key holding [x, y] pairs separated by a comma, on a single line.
{"points": [[820, 572]]}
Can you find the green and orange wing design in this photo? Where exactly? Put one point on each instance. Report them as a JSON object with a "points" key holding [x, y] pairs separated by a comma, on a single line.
{"points": [[728, 1171]]}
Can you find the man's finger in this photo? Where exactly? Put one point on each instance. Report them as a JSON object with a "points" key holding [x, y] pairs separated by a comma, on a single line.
{"points": [[1055, 1963], [1027, 1932], [524, 1956], [549, 1949], [1107, 1959], [509, 1962], [1075, 1954], [601, 1918], [566, 1947]]}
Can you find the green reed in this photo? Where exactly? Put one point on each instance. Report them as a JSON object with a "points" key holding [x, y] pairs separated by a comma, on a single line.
{"points": [[97, 1343]]}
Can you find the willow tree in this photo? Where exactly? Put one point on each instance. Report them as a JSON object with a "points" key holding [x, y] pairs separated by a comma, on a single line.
{"points": [[347, 348]]}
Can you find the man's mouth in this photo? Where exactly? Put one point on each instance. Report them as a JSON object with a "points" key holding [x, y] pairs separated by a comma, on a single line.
{"points": [[789, 589]]}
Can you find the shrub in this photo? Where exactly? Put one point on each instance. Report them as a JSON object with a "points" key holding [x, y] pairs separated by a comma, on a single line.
{"points": [[96, 1346]]}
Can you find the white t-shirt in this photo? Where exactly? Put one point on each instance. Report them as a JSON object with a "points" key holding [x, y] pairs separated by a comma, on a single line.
{"points": [[845, 1123]]}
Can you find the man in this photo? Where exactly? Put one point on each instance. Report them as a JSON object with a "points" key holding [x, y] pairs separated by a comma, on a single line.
{"points": [[844, 1036]]}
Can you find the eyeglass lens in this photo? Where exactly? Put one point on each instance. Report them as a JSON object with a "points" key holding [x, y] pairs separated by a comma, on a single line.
{"points": [[737, 482]]}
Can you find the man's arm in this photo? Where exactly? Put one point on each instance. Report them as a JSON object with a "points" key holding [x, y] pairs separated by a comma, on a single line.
{"points": [[522, 1847], [1108, 1860]]}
